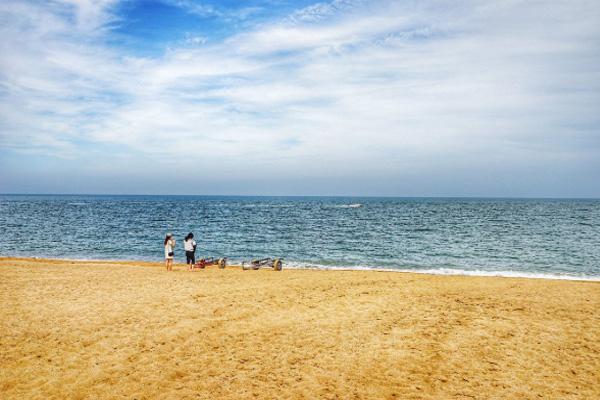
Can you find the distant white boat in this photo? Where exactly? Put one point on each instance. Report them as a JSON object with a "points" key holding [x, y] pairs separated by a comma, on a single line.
{"points": [[356, 205]]}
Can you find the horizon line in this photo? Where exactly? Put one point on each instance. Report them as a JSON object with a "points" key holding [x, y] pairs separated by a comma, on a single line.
{"points": [[311, 195]]}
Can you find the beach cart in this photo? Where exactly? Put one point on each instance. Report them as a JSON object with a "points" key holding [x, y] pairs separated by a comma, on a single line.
{"points": [[206, 262], [275, 263]]}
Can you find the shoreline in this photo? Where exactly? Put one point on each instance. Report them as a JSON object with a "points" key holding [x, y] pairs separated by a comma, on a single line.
{"points": [[442, 271]]}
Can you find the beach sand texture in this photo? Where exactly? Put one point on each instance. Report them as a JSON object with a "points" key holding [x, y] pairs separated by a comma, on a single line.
{"points": [[97, 330]]}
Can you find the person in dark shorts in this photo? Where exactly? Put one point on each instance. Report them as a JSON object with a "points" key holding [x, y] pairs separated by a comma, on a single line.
{"points": [[189, 245]]}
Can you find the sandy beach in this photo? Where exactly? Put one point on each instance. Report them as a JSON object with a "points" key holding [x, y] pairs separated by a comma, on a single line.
{"points": [[95, 330]]}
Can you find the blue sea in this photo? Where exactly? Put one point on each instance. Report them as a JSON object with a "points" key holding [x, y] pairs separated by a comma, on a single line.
{"points": [[507, 237]]}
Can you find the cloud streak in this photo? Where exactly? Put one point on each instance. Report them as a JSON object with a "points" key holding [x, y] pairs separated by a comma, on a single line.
{"points": [[404, 94]]}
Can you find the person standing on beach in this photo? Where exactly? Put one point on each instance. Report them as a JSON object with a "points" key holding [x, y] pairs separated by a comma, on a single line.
{"points": [[169, 247], [189, 245]]}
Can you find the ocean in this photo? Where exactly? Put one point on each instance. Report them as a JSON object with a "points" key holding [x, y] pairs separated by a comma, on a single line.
{"points": [[553, 238]]}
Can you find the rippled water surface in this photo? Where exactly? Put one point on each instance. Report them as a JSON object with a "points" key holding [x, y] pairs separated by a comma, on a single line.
{"points": [[527, 237]]}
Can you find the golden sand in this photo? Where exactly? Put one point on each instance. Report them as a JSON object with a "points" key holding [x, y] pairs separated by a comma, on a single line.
{"points": [[97, 330]]}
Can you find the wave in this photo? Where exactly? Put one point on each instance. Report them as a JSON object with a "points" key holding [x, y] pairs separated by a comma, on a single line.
{"points": [[265, 205], [447, 271], [355, 205]]}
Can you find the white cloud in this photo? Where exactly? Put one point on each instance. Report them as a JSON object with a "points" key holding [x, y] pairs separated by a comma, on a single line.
{"points": [[320, 11], [402, 88], [195, 40], [89, 15], [193, 7], [208, 10]]}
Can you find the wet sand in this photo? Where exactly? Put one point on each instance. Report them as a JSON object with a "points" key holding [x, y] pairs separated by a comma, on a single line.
{"points": [[91, 330]]}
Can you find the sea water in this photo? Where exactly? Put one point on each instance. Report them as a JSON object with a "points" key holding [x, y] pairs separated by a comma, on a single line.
{"points": [[509, 237]]}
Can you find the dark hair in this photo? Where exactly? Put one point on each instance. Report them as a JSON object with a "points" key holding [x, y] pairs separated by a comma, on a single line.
{"points": [[189, 236], [167, 239]]}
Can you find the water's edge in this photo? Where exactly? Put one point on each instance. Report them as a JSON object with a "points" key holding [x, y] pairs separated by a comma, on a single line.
{"points": [[305, 266]]}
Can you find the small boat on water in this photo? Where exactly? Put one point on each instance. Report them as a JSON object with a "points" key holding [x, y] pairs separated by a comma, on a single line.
{"points": [[356, 205]]}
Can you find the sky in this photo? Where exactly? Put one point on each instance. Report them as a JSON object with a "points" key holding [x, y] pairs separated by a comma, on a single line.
{"points": [[282, 97]]}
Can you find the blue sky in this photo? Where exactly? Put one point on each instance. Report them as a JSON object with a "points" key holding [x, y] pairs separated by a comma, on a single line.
{"points": [[281, 97]]}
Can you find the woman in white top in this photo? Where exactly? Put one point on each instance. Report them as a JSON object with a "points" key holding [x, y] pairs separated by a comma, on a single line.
{"points": [[190, 251], [169, 247]]}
